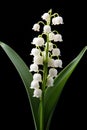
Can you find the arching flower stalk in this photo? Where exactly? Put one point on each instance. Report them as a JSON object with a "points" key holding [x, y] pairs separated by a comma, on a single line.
{"points": [[46, 55], [44, 52]]}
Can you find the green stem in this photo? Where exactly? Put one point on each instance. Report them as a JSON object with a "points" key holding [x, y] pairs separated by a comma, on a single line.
{"points": [[41, 114], [45, 70]]}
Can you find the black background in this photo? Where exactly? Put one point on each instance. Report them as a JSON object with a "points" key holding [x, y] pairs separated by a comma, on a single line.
{"points": [[16, 21]]}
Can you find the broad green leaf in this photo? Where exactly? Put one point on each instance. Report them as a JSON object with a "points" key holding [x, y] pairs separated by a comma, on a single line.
{"points": [[26, 77], [52, 94]]}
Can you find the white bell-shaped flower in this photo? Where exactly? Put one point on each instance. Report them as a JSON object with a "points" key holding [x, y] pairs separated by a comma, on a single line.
{"points": [[36, 27], [35, 52], [38, 41], [46, 16], [47, 29], [58, 37], [52, 72], [37, 77], [50, 62], [50, 81], [33, 67], [50, 46], [51, 36], [34, 84], [38, 60], [56, 52], [57, 20], [37, 93], [58, 63]]}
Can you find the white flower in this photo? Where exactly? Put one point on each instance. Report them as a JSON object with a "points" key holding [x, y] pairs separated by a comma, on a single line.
{"points": [[57, 20], [50, 62], [51, 36], [50, 46], [37, 93], [46, 16], [33, 67], [50, 81], [52, 72], [56, 52], [45, 53], [47, 29], [38, 41], [38, 60], [35, 52], [58, 37], [36, 27], [37, 77], [58, 63], [34, 84]]}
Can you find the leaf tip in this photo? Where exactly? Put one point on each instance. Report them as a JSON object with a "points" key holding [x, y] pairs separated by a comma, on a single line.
{"points": [[86, 47], [1, 44]]}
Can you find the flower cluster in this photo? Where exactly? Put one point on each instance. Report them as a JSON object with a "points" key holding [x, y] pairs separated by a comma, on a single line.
{"points": [[46, 55]]}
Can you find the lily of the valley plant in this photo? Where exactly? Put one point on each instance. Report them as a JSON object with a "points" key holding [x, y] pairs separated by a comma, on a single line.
{"points": [[42, 81]]}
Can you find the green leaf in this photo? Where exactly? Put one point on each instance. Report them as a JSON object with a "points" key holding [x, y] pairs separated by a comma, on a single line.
{"points": [[26, 77], [52, 94]]}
